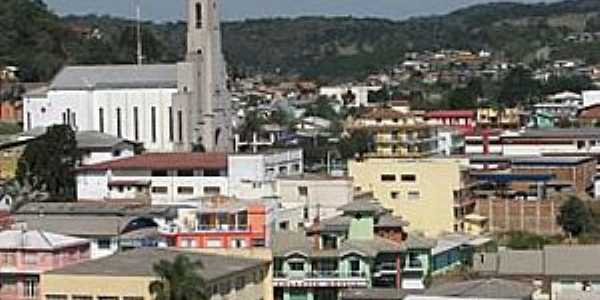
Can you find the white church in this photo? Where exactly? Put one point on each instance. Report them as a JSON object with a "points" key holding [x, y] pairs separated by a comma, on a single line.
{"points": [[168, 108]]}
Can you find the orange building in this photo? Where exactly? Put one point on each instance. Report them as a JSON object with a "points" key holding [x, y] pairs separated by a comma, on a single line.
{"points": [[219, 222]]}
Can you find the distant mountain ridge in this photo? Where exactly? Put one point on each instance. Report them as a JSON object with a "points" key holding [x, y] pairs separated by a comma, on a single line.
{"points": [[325, 47]]}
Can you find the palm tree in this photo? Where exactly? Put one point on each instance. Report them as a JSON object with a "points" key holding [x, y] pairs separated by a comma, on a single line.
{"points": [[179, 280]]}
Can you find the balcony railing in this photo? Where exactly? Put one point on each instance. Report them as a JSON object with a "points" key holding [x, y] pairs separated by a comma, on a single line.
{"points": [[319, 275], [172, 229]]}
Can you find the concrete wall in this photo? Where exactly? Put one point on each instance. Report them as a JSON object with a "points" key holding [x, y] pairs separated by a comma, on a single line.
{"points": [[427, 203]]}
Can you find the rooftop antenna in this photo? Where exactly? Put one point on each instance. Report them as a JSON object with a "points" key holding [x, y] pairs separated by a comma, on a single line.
{"points": [[140, 55]]}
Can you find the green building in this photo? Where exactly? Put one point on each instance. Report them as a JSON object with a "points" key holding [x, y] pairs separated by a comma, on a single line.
{"points": [[365, 247]]}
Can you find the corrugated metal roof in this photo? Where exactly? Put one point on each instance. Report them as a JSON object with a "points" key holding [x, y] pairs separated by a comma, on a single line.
{"points": [[115, 76]]}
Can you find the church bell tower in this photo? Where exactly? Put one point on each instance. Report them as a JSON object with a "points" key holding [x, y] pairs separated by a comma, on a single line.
{"points": [[202, 80]]}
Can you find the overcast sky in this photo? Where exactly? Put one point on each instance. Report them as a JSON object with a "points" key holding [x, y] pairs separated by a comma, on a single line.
{"points": [[242, 9]]}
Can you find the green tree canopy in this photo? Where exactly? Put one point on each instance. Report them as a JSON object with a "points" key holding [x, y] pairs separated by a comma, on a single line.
{"points": [[48, 162], [179, 280], [575, 217], [518, 87]]}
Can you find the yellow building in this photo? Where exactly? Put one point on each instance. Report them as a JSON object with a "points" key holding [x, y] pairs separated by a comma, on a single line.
{"points": [[495, 118], [422, 191], [397, 133], [128, 275]]}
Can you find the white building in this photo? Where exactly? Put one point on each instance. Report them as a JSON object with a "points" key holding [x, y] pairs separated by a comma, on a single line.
{"points": [[182, 178], [360, 94], [317, 195], [165, 107], [159, 178], [252, 175]]}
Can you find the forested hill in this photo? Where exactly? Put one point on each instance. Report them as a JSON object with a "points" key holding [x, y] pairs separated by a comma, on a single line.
{"points": [[40, 42]]}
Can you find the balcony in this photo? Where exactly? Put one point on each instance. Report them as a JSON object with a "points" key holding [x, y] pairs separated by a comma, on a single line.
{"points": [[321, 279], [174, 229]]}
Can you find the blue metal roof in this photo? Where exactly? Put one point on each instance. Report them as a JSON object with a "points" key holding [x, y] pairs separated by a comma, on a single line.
{"points": [[504, 178]]}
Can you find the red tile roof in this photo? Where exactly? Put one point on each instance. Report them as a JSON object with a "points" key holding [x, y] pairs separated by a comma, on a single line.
{"points": [[165, 161], [450, 114]]}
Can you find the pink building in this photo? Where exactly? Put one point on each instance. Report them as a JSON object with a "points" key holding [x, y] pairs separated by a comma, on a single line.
{"points": [[26, 254]]}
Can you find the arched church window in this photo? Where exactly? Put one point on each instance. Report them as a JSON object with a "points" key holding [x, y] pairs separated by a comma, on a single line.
{"points": [[198, 15], [217, 136]]}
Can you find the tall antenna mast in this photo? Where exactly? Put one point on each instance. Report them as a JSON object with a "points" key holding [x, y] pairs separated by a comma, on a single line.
{"points": [[140, 55]]}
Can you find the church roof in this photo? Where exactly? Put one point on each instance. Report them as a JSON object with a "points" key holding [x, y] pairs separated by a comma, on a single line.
{"points": [[164, 161], [115, 76]]}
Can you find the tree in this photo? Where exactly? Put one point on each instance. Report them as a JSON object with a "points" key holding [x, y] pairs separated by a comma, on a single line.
{"points": [[358, 143], [518, 87], [179, 280], [252, 124], [575, 217], [48, 161]]}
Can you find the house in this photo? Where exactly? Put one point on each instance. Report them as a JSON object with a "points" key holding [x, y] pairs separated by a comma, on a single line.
{"points": [[396, 133], [219, 222], [108, 227], [95, 147], [350, 96], [157, 178], [424, 191], [128, 275], [318, 196], [28, 253], [166, 107], [365, 247], [488, 117]]}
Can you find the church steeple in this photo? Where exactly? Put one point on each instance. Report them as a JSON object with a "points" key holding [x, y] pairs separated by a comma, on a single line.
{"points": [[203, 77]]}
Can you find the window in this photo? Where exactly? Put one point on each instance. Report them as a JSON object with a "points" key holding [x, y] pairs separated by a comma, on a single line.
{"points": [[116, 153], [395, 195], [296, 167], [408, 177], [171, 134], [180, 125], [107, 298], [284, 225], [153, 123], [355, 266], [64, 118], [211, 190], [159, 173], [101, 119], [119, 129], [240, 282], [303, 190], [238, 243], [580, 145], [388, 177], [188, 243], [79, 297], [136, 123], [414, 261], [133, 298], [63, 297], [305, 213], [185, 190], [104, 244], [30, 288], [43, 110], [28, 121], [198, 15], [68, 116], [74, 120], [212, 173], [283, 169], [414, 195], [160, 190], [8, 259], [296, 266], [258, 242], [185, 173]]}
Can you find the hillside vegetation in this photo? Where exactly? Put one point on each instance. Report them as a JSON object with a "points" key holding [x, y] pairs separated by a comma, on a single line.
{"points": [[340, 47]]}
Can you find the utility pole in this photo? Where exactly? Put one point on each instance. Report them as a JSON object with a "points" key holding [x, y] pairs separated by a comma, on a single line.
{"points": [[140, 56]]}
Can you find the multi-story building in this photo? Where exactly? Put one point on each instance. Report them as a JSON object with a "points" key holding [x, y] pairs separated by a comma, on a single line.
{"points": [[525, 193], [426, 192], [364, 247], [128, 275], [499, 118], [397, 133], [26, 254], [157, 178], [252, 175], [318, 196], [219, 222]]}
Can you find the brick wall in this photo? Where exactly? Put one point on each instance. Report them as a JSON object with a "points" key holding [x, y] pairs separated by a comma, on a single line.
{"points": [[516, 215]]}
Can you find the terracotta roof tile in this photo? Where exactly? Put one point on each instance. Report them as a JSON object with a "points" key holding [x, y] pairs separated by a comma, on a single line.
{"points": [[450, 114], [165, 161]]}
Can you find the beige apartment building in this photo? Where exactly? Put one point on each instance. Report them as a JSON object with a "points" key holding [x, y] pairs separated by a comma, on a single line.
{"points": [[425, 192]]}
